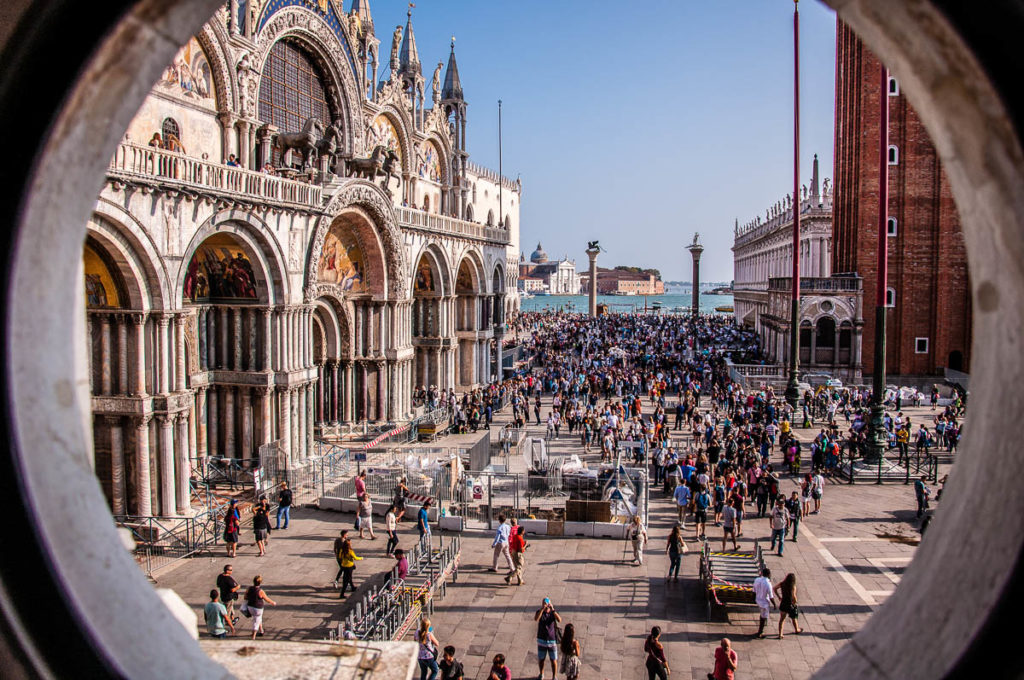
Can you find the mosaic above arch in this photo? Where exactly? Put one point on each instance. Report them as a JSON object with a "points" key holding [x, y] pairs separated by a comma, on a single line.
{"points": [[384, 133], [101, 289], [189, 76], [220, 270], [341, 262], [428, 161]]}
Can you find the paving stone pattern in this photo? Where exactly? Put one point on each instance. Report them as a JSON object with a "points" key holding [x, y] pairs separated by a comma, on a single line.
{"points": [[847, 560]]}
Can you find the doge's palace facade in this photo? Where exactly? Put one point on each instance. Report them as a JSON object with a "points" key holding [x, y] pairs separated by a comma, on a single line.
{"points": [[287, 240]]}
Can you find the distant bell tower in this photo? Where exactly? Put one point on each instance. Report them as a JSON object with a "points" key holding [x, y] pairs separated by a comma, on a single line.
{"points": [[455, 111]]}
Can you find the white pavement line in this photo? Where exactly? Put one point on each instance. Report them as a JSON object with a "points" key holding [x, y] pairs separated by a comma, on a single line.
{"points": [[880, 564], [850, 539], [838, 566], [880, 593]]}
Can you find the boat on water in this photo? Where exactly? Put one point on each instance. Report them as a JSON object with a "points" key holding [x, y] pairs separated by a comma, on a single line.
{"points": [[525, 296], [656, 305], [727, 309]]}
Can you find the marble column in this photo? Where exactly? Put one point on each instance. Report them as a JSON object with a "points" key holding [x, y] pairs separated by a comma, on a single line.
{"points": [[200, 420], [222, 331], [139, 374], [164, 352], [106, 367], [213, 421], [267, 409], [179, 353], [348, 393], [381, 397], [310, 436], [334, 392], [246, 422], [165, 459], [122, 355], [300, 417], [117, 482], [286, 423], [236, 361], [183, 467], [268, 343], [211, 338], [143, 479], [287, 341], [364, 393], [229, 422]]}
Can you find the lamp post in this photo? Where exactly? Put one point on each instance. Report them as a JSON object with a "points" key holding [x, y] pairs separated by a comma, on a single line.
{"points": [[792, 387], [878, 438]]}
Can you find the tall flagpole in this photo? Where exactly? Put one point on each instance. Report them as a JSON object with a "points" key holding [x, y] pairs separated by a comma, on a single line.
{"points": [[792, 388], [501, 208], [878, 439]]}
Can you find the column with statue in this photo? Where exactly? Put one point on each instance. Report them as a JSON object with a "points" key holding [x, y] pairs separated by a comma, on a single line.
{"points": [[593, 248]]}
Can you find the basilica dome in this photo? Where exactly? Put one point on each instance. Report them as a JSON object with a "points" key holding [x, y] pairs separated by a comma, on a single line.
{"points": [[539, 256]]}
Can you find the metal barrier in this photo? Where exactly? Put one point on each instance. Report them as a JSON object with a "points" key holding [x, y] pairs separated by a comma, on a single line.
{"points": [[235, 473], [389, 611], [382, 481], [159, 541]]}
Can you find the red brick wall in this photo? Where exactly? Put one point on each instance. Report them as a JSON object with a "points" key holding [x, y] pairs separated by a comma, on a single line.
{"points": [[927, 259]]}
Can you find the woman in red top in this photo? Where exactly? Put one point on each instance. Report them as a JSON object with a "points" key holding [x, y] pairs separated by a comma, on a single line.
{"points": [[517, 546], [657, 664]]}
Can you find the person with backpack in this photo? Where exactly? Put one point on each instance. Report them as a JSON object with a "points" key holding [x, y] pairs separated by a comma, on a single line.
{"points": [[231, 529], [700, 513]]}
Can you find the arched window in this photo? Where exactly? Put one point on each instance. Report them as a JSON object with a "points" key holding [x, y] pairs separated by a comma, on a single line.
{"points": [[171, 134], [292, 89], [490, 218], [508, 222], [890, 297], [894, 155], [890, 226], [894, 87]]}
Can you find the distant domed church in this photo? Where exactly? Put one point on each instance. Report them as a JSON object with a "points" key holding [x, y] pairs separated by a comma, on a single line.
{"points": [[544, 277]]}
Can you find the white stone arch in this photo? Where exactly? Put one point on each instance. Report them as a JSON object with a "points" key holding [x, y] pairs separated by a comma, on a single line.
{"points": [[259, 244], [126, 234], [403, 124], [471, 256], [213, 38], [335, 316], [499, 277], [444, 146], [368, 198], [442, 268], [323, 45]]}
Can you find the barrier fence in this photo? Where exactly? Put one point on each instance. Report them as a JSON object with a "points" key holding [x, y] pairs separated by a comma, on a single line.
{"points": [[160, 541]]}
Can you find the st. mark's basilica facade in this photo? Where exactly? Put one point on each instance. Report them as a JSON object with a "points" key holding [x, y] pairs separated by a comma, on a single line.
{"points": [[289, 237]]}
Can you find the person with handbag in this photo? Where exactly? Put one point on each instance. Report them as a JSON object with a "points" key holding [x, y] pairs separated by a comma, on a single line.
{"points": [[657, 663], [347, 558], [570, 646], [786, 590], [427, 656], [547, 636], [364, 517], [255, 600]]}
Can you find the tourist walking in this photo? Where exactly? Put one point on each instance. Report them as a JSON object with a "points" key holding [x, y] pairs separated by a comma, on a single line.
{"points": [[922, 493], [401, 491], [675, 549], [391, 526], [427, 655], [700, 512], [423, 524], [570, 648], [729, 526], [805, 493], [339, 544], [500, 545], [657, 664], [360, 483], [795, 513], [216, 616], [726, 661], [682, 496], [786, 590], [255, 600], [817, 490], [232, 525], [517, 547], [764, 597], [780, 522], [261, 527], [365, 515], [284, 505], [347, 559], [547, 636], [228, 587], [638, 536]]}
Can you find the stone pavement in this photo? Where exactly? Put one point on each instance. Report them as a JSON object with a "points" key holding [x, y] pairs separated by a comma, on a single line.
{"points": [[847, 560]]}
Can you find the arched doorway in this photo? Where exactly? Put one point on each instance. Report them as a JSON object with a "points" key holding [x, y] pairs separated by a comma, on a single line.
{"points": [[824, 342], [332, 357], [467, 323], [430, 323]]}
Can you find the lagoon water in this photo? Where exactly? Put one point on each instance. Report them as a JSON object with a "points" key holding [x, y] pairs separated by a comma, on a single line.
{"points": [[624, 303]]}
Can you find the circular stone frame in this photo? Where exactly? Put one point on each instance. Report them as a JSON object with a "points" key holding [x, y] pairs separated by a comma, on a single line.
{"points": [[72, 602]]}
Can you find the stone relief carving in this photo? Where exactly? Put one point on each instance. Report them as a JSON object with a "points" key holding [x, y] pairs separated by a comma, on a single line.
{"points": [[248, 83]]}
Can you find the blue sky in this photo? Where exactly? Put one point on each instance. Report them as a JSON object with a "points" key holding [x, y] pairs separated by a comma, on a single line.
{"points": [[636, 123]]}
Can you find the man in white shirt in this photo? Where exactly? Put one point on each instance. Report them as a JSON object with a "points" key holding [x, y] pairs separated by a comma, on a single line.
{"points": [[500, 544], [764, 597]]}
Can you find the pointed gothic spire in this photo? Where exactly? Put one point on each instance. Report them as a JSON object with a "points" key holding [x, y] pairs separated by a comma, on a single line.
{"points": [[361, 8], [409, 58], [452, 84], [814, 182]]}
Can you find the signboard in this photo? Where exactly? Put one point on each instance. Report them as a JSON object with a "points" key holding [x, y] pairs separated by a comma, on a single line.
{"points": [[359, 456], [478, 492]]}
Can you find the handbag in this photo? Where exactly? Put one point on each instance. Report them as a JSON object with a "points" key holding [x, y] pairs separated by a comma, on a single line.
{"points": [[558, 634], [358, 522], [245, 610]]}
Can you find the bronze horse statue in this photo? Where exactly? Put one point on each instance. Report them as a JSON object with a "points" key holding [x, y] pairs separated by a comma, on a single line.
{"points": [[328, 146], [391, 169], [368, 167], [304, 141]]}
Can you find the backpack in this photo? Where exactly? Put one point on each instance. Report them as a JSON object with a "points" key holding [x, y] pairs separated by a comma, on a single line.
{"points": [[703, 500]]}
